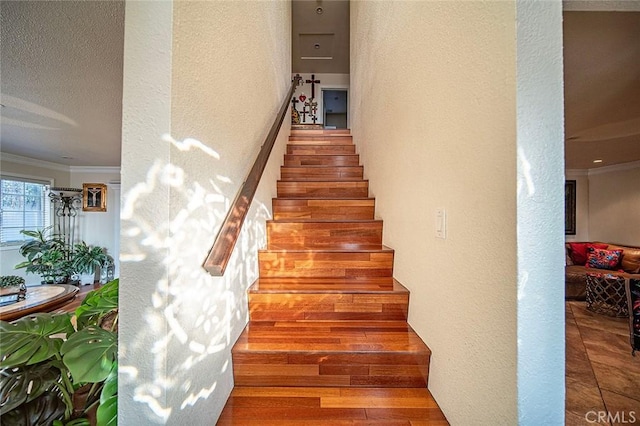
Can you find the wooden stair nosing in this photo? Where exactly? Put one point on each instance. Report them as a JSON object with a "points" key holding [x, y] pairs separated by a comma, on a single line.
{"points": [[320, 131], [299, 286], [325, 160], [314, 173], [323, 149], [328, 285]]}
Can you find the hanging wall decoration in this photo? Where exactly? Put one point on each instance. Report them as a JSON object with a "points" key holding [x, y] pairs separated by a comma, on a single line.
{"points": [[94, 197], [295, 114]]}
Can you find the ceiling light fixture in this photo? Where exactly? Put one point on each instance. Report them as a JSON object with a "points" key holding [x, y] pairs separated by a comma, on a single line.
{"points": [[597, 161], [319, 10]]}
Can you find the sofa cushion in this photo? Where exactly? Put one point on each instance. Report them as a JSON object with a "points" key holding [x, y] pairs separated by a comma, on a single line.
{"points": [[579, 251], [603, 259], [630, 258]]}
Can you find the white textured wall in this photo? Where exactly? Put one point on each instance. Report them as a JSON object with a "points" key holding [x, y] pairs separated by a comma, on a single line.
{"points": [[540, 213], [434, 116], [614, 205], [215, 75], [144, 380], [582, 204]]}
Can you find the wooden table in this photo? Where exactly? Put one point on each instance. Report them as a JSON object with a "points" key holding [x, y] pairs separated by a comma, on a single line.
{"points": [[42, 298]]}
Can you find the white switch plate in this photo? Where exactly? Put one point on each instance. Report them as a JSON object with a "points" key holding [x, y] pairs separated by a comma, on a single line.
{"points": [[441, 223]]}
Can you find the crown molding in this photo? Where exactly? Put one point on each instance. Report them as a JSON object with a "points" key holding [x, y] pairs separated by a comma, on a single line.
{"points": [[615, 168], [576, 172], [94, 169], [18, 159]]}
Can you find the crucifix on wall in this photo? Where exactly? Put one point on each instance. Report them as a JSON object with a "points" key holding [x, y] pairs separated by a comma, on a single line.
{"points": [[313, 82], [313, 109]]}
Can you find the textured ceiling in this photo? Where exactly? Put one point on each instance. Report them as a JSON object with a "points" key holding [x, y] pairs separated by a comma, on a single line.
{"points": [[602, 88], [61, 80]]}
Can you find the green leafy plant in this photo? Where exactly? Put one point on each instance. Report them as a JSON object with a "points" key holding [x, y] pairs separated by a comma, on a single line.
{"points": [[53, 373], [48, 255], [87, 258], [11, 281]]}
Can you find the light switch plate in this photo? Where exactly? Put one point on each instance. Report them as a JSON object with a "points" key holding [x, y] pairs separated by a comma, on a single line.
{"points": [[441, 223]]}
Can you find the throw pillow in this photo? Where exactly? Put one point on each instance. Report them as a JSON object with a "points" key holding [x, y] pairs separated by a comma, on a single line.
{"points": [[579, 251], [603, 259]]}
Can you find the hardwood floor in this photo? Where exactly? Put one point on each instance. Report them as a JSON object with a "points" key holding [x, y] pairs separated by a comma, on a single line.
{"points": [[328, 341], [601, 374]]}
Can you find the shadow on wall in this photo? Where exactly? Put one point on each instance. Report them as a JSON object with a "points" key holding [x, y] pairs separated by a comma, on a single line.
{"points": [[194, 318]]}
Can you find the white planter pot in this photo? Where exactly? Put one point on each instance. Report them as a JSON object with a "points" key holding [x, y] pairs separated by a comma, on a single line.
{"points": [[86, 279]]}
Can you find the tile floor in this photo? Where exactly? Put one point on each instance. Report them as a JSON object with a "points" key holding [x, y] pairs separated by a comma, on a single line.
{"points": [[601, 374]]}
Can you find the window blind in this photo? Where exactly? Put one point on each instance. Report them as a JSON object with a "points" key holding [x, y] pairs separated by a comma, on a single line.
{"points": [[23, 205]]}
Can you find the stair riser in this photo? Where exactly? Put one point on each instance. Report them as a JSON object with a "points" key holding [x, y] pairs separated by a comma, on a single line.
{"points": [[320, 149], [322, 160], [323, 209], [337, 306], [324, 235], [330, 285], [321, 173], [320, 140], [327, 369], [325, 264], [302, 189]]}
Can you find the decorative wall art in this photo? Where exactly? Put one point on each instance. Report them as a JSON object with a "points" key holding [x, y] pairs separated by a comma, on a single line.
{"points": [[570, 207], [94, 197]]}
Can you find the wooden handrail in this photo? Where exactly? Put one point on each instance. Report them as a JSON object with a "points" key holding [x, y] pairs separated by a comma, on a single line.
{"points": [[225, 241]]}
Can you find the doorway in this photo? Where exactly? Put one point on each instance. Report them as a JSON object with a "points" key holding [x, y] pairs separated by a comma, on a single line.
{"points": [[334, 108]]}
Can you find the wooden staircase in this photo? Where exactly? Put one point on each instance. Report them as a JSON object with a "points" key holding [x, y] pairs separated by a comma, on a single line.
{"points": [[328, 340]]}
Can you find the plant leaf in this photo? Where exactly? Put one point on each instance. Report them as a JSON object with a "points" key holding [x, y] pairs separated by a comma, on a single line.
{"points": [[23, 384], [89, 354], [29, 340], [98, 303], [107, 414], [43, 410]]}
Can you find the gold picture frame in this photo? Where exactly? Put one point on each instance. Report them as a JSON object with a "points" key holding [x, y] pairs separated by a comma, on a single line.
{"points": [[94, 197]]}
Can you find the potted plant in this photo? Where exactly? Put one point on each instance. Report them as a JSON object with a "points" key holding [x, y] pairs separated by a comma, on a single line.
{"points": [[86, 259], [54, 373], [47, 255]]}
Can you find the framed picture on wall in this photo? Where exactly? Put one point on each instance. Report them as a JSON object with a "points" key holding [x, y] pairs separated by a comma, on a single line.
{"points": [[94, 197], [570, 207]]}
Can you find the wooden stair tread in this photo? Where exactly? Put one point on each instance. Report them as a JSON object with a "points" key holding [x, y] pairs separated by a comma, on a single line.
{"points": [[354, 221], [383, 249], [327, 285], [343, 338], [325, 198], [320, 131], [314, 284], [302, 406]]}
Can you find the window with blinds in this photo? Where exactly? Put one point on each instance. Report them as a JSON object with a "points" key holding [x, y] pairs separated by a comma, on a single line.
{"points": [[24, 205]]}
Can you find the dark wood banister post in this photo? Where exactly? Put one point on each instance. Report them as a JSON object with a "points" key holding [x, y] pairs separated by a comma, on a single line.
{"points": [[225, 241]]}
